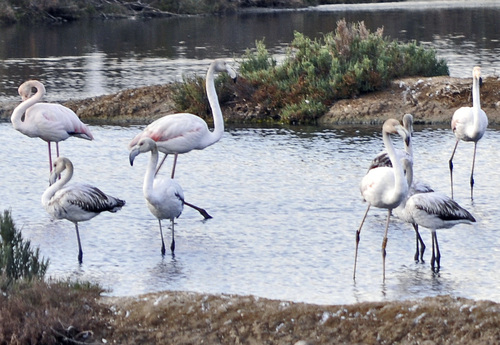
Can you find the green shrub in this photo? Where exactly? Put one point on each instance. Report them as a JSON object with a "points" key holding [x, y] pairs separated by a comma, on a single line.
{"points": [[17, 259], [341, 64]]}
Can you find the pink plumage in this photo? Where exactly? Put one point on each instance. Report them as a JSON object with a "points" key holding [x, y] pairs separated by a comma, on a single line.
{"points": [[48, 121]]}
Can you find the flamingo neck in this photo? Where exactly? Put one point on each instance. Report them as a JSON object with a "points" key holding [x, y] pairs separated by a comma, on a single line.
{"points": [[400, 183], [214, 105], [476, 101], [149, 177], [49, 192], [17, 115]]}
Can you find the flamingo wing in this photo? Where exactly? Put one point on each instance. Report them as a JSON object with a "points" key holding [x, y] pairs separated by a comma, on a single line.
{"points": [[80, 202], [177, 133], [435, 210], [54, 122]]}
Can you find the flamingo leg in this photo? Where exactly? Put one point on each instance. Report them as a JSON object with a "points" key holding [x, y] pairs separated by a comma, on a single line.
{"points": [[175, 163], [358, 232], [172, 245], [199, 209], [50, 157], [472, 171], [162, 242], [420, 243], [436, 254], [57, 149], [450, 163], [384, 242], [80, 252], [161, 163]]}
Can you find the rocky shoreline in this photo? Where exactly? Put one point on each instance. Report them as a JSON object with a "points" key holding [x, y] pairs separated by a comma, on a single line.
{"points": [[431, 100]]}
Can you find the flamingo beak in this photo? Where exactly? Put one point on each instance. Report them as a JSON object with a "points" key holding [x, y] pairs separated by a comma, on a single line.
{"points": [[133, 153], [53, 177]]}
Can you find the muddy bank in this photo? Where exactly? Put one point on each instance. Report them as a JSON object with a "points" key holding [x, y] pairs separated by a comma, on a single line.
{"points": [[190, 318], [430, 100]]}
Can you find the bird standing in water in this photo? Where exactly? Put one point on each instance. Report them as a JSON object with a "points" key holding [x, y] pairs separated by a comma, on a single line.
{"points": [[384, 187], [76, 202], [48, 121], [469, 124]]}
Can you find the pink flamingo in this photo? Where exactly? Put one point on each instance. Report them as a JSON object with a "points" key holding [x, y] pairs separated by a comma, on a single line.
{"points": [[183, 132], [48, 121]]}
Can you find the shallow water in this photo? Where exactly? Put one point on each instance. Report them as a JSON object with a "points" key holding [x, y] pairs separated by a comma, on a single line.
{"points": [[85, 59], [286, 206]]}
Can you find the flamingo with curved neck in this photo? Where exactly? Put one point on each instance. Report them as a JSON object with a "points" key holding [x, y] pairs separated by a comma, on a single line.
{"points": [[164, 196], [469, 124], [48, 121], [183, 132], [76, 202], [384, 187]]}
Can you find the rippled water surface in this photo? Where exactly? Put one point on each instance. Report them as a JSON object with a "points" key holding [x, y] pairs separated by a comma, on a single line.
{"points": [[285, 204], [86, 59]]}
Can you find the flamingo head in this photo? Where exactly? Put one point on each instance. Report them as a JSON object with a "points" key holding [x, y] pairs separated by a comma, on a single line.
{"points": [[476, 72], [59, 165], [393, 126], [220, 65], [26, 88], [408, 123], [146, 144]]}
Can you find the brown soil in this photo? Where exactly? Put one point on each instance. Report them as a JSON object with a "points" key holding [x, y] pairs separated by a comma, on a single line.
{"points": [[190, 318], [430, 100]]}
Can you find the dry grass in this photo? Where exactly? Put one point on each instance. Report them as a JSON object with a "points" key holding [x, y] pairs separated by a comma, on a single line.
{"points": [[38, 312]]}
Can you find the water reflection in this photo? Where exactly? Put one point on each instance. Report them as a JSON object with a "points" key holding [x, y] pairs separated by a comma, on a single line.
{"points": [[85, 59]]}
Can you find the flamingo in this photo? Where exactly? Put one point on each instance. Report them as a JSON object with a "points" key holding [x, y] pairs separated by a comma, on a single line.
{"points": [[77, 202], [48, 121], [384, 187], [164, 196], [433, 211], [183, 132], [382, 160], [469, 124]]}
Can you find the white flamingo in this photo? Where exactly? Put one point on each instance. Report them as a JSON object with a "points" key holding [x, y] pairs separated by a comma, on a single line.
{"points": [[76, 202], [183, 132], [382, 160], [164, 196], [469, 124], [48, 121], [384, 187], [433, 211]]}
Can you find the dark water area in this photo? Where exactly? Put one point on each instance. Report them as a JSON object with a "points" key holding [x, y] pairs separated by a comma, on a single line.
{"points": [[83, 59]]}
